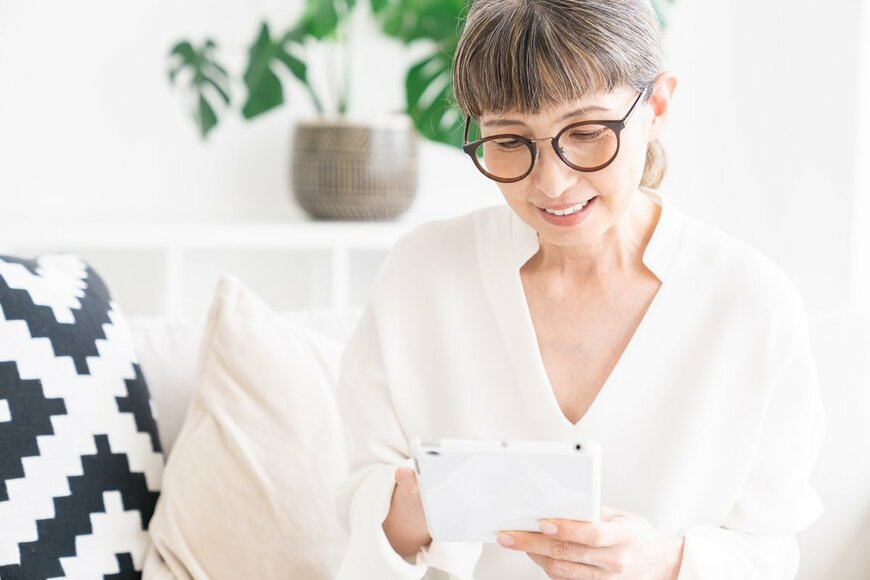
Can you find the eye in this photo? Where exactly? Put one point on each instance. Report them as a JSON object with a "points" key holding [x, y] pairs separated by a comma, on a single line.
{"points": [[507, 143], [586, 134]]}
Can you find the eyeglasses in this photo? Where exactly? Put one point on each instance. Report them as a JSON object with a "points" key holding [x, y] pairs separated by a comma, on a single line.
{"points": [[585, 146]]}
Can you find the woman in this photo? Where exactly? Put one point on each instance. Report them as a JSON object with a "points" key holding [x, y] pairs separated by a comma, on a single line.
{"points": [[588, 307]]}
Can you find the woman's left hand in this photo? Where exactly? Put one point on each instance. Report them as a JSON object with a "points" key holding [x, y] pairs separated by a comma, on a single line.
{"points": [[621, 545]]}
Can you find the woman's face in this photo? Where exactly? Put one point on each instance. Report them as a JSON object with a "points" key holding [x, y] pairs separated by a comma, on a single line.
{"points": [[554, 185]]}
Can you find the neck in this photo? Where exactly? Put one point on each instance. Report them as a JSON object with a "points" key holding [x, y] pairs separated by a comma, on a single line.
{"points": [[617, 252]]}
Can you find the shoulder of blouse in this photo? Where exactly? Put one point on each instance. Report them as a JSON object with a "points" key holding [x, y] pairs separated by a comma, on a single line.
{"points": [[439, 246], [733, 269]]}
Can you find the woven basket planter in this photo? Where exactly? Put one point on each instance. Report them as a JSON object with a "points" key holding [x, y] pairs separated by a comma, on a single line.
{"points": [[344, 170]]}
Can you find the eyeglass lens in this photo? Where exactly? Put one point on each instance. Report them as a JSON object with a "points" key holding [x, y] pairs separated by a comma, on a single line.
{"points": [[584, 146]]}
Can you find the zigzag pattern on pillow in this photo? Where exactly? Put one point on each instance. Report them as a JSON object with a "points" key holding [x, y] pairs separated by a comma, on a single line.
{"points": [[80, 459]]}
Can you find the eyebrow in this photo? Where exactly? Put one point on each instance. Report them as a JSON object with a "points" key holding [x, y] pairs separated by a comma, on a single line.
{"points": [[575, 113]]}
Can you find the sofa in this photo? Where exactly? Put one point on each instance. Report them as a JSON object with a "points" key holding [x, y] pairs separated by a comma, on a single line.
{"points": [[834, 548], [247, 421]]}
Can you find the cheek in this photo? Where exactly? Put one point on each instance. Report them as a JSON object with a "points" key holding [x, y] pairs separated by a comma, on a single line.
{"points": [[514, 193], [618, 182], [629, 165], [635, 145], [624, 174]]}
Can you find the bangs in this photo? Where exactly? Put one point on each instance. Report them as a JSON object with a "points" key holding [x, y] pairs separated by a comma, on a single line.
{"points": [[526, 56]]}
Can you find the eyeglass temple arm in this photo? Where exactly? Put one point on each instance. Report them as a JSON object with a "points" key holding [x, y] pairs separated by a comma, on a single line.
{"points": [[636, 101]]}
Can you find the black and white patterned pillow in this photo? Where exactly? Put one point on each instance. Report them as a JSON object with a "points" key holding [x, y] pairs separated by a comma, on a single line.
{"points": [[80, 459]]}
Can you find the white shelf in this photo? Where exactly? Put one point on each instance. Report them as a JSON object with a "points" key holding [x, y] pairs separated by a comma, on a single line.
{"points": [[207, 235], [295, 265]]}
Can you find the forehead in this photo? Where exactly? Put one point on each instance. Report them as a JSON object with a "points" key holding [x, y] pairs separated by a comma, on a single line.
{"points": [[599, 104]]}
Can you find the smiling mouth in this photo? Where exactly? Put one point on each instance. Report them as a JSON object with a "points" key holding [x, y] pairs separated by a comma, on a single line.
{"points": [[567, 210]]}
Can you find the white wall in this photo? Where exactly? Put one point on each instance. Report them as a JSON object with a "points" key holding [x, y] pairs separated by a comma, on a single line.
{"points": [[861, 218], [763, 137]]}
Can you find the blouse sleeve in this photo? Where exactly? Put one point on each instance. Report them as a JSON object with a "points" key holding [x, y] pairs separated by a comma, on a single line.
{"points": [[378, 446], [757, 541]]}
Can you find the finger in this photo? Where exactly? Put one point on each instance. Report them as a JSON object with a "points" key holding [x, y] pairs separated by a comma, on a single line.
{"points": [[539, 544], [570, 570], [597, 535], [404, 473], [406, 480], [608, 513]]}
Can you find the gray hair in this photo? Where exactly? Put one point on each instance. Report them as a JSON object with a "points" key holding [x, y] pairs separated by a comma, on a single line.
{"points": [[527, 55]]}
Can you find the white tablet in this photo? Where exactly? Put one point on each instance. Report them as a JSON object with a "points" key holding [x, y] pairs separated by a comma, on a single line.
{"points": [[472, 489]]}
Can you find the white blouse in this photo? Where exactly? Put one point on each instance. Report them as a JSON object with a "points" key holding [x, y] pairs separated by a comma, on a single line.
{"points": [[709, 423]]}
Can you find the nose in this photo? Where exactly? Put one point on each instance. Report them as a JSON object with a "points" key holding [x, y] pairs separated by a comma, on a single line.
{"points": [[551, 176]]}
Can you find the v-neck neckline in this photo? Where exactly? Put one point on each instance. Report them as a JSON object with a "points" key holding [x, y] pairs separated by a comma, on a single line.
{"points": [[626, 381]]}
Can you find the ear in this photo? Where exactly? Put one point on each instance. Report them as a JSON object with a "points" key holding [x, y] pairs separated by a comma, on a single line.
{"points": [[660, 102]]}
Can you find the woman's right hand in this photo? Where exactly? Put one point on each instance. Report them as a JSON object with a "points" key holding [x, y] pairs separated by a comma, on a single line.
{"points": [[405, 524]]}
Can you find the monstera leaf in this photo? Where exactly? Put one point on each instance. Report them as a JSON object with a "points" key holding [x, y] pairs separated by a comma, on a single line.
{"points": [[265, 91], [428, 85], [410, 20], [208, 80], [320, 20], [268, 55], [429, 99]]}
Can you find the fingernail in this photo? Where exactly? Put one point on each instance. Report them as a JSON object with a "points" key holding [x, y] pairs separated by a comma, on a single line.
{"points": [[549, 528], [505, 540]]}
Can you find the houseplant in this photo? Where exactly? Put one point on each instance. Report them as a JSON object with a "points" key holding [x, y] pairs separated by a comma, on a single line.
{"points": [[340, 169], [428, 88]]}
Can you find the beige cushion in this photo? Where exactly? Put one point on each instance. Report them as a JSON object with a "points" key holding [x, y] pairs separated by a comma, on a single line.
{"points": [[168, 348], [248, 491]]}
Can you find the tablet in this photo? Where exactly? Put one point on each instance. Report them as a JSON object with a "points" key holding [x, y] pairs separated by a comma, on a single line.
{"points": [[472, 489]]}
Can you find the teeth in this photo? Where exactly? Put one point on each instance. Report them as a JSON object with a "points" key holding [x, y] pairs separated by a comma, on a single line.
{"points": [[568, 211]]}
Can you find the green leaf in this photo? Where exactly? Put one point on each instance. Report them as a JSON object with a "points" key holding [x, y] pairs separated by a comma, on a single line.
{"points": [[319, 18], [221, 91], [264, 96], [265, 90], [216, 67], [184, 50], [410, 20], [429, 99], [439, 121], [296, 66], [422, 75], [428, 84], [206, 117], [296, 34], [208, 80], [264, 87], [186, 57]]}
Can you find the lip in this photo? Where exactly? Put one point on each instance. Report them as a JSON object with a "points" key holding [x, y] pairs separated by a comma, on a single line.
{"points": [[571, 219]]}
